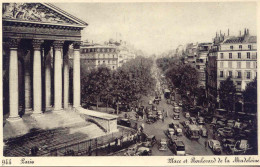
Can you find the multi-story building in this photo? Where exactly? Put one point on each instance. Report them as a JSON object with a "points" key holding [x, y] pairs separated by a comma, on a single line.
{"points": [[191, 52], [201, 59], [95, 55], [232, 56]]}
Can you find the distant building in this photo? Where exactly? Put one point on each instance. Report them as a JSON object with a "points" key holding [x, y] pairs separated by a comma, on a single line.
{"points": [[201, 59], [95, 55], [191, 54], [234, 56]]}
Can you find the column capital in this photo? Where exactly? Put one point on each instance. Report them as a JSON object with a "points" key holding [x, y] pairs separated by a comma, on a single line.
{"points": [[76, 44], [36, 43], [13, 43], [58, 44]]}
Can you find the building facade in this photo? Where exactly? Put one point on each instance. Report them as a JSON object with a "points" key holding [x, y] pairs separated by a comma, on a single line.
{"points": [[201, 59], [36, 40], [93, 56], [232, 56]]}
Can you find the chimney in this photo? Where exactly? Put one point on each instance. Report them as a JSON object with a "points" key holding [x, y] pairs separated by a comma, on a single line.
{"points": [[228, 33], [239, 33], [216, 34], [220, 33], [247, 31]]}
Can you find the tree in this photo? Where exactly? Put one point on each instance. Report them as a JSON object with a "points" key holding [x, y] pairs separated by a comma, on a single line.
{"points": [[250, 97], [227, 92]]}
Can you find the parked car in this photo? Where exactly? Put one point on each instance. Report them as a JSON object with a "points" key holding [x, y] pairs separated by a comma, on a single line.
{"points": [[159, 114], [170, 131], [177, 109], [185, 124], [192, 120], [125, 122], [143, 151], [131, 150], [239, 148], [179, 147], [215, 146], [163, 145], [187, 115], [200, 120], [150, 102], [154, 108], [176, 116], [230, 123], [150, 141]]}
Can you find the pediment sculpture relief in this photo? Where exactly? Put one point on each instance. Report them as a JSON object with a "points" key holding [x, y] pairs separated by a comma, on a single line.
{"points": [[32, 12]]}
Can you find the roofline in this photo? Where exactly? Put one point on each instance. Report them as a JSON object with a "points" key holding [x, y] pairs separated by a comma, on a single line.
{"points": [[62, 12], [45, 23]]}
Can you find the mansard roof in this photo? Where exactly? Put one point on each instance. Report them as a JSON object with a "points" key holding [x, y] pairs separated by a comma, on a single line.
{"points": [[39, 13]]}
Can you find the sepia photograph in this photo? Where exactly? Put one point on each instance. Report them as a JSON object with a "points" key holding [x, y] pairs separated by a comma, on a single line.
{"points": [[129, 79]]}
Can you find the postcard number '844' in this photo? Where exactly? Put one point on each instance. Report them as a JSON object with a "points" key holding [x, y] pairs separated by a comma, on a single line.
{"points": [[6, 162]]}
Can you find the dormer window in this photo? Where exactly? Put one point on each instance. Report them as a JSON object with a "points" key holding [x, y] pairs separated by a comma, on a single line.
{"points": [[231, 47]]}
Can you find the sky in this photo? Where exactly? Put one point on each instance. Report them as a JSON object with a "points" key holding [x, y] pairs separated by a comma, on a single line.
{"points": [[157, 27]]}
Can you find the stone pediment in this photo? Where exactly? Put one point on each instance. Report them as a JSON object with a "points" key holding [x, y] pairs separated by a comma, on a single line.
{"points": [[39, 12]]}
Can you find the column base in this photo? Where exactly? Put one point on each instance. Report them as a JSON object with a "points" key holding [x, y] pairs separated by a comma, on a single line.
{"points": [[14, 119], [28, 111], [37, 114], [58, 110]]}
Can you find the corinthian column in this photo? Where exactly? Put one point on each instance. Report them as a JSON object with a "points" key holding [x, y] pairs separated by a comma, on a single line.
{"points": [[37, 77], [66, 76], [27, 82], [76, 74], [57, 75], [48, 70], [13, 81]]}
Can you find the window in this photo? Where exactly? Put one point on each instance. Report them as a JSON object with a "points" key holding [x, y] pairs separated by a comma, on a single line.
{"points": [[230, 74], [231, 47], [239, 55], [221, 74], [239, 74], [221, 55], [240, 46], [221, 64], [238, 83], [249, 47], [230, 64], [238, 64], [248, 55], [108, 61], [113, 67], [113, 56], [230, 55], [98, 62], [248, 75], [104, 61], [247, 64], [255, 64]]}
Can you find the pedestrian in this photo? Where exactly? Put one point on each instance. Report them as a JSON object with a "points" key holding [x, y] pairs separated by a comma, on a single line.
{"points": [[206, 144], [162, 119]]}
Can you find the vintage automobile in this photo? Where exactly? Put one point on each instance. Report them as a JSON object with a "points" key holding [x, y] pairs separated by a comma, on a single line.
{"points": [[179, 147], [125, 122], [150, 141], [215, 146], [192, 120], [185, 124], [154, 108], [200, 120], [230, 123], [150, 102], [239, 148], [163, 145], [131, 150], [177, 109], [187, 115], [176, 116], [171, 131], [143, 151], [159, 114]]}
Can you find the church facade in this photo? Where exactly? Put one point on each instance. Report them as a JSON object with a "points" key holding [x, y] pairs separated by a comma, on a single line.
{"points": [[36, 40]]}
